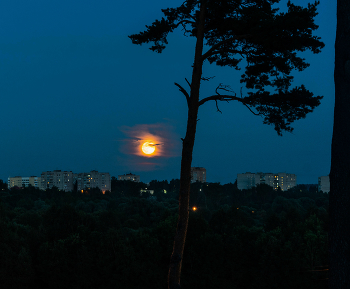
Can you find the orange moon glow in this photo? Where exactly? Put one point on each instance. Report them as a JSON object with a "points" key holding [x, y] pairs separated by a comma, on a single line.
{"points": [[148, 148], [154, 141]]}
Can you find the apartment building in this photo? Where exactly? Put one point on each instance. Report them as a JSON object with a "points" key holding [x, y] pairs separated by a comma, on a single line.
{"points": [[93, 179], [198, 174], [23, 182], [324, 184], [63, 180], [284, 181], [247, 180], [129, 177]]}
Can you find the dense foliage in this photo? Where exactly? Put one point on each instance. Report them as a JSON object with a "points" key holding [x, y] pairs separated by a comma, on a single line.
{"points": [[249, 34], [258, 238], [254, 36]]}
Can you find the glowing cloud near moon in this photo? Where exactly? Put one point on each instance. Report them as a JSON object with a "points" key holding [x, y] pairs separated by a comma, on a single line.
{"points": [[150, 141]]}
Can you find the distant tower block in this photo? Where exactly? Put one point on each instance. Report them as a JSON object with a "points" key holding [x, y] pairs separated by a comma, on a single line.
{"points": [[22, 182], [63, 180], [94, 179], [198, 174], [324, 184], [129, 177], [283, 181]]}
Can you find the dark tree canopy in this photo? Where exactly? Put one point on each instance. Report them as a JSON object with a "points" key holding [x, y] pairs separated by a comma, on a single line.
{"points": [[267, 40], [227, 32]]}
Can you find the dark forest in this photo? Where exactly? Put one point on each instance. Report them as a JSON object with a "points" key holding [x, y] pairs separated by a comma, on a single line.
{"points": [[257, 238]]}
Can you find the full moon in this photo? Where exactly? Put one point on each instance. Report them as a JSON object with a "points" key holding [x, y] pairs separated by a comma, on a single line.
{"points": [[148, 148]]}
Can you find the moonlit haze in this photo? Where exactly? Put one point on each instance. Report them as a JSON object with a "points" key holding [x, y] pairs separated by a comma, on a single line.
{"points": [[152, 141], [77, 95]]}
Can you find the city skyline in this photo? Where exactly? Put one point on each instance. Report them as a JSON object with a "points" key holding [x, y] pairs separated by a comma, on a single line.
{"points": [[138, 178], [64, 180], [75, 89]]}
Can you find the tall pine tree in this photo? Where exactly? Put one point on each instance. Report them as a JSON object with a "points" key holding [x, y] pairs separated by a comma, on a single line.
{"points": [[238, 33]]}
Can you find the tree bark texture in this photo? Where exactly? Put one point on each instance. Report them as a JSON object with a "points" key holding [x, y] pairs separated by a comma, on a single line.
{"points": [[339, 198], [174, 274]]}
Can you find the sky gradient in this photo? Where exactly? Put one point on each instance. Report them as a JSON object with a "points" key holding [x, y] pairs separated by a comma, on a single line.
{"points": [[76, 93]]}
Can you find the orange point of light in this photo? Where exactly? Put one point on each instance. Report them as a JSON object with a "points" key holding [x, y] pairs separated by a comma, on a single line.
{"points": [[194, 208]]}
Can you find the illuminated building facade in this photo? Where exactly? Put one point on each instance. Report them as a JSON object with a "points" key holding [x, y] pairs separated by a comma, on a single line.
{"points": [[23, 182], [198, 174], [283, 181], [129, 177]]}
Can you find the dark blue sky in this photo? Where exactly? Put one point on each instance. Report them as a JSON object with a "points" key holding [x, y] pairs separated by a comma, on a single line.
{"points": [[73, 85]]}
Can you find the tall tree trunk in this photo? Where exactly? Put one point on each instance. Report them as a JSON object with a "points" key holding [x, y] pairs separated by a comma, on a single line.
{"points": [[186, 161], [339, 198]]}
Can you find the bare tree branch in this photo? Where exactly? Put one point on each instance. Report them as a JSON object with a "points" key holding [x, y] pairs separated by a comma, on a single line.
{"points": [[184, 92], [253, 112], [226, 98], [207, 78], [225, 88], [218, 97], [217, 106]]}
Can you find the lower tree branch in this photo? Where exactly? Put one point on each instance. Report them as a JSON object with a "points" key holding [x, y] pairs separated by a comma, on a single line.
{"points": [[217, 106], [189, 84], [184, 92], [207, 78], [227, 98]]}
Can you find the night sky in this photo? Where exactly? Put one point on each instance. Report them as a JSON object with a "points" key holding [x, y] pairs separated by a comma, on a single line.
{"points": [[76, 95]]}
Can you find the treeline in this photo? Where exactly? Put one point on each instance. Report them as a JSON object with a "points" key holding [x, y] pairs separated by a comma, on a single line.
{"points": [[258, 238]]}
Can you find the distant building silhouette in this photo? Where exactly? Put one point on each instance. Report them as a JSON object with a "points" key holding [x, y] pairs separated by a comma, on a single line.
{"points": [[283, 181], [129, 177], [23, 182], [198, 174], [324, 184]]}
